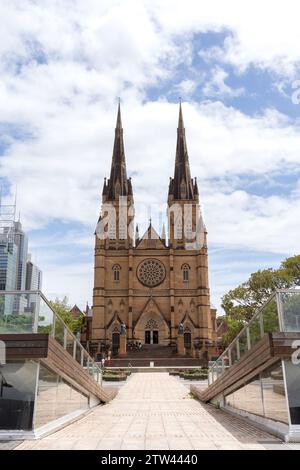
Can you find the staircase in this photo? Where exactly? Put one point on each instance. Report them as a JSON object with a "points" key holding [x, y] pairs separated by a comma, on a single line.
{"points": [[152, 351], [162, 356]]}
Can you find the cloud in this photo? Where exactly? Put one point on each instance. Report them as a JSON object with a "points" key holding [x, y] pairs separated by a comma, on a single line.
{"points": [[216, 86], [62, 66], [187, 87], [59, 171], [259, 33]]}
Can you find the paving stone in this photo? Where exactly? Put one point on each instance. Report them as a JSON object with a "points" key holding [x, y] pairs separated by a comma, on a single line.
{"points": [[155, 411]]}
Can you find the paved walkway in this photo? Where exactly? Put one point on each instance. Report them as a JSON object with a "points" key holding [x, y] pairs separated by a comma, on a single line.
{"points": [[155, 411]]}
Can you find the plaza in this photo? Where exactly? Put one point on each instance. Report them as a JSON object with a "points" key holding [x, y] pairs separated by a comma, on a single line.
{"points": [[156, 411]]}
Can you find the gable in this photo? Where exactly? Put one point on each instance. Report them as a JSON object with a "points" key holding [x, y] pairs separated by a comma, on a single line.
{"points": [[150, 240], [151, 306]]}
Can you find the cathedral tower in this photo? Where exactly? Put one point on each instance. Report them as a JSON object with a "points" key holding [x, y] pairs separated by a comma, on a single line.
{"points": [[113, 248], [188, 249]]}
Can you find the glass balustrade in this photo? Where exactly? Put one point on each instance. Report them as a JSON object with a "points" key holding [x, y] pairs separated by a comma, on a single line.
{"points": [[33, 394], [280, 313], [18, 312], [243, 343], [30, 312], [290, 310], [270, 316], [255, 331], [274, 393]]}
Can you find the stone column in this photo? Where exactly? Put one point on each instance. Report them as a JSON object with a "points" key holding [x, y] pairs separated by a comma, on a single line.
{"points": [[122, 350], [180, 345], [123, 340]]}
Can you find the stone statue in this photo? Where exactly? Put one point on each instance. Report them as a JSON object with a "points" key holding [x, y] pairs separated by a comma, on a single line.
{"points": [[180, 329], [123, 329]]}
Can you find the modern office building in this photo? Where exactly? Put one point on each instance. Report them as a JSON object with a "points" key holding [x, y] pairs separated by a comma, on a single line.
{"points": [[33, 282], [17, 271], [8, 261], [14, 250], [21, 241], [8, 266], [33, 275]]}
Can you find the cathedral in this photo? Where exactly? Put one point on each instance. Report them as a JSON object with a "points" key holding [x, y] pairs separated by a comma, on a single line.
{"points": [[152, 290]]}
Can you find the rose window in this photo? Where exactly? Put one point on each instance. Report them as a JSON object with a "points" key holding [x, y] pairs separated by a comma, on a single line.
{"points": [[151, 272]]}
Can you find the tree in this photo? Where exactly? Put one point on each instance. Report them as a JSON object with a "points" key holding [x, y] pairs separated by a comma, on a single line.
{"points": [[291, 266], [234, 327], [62, 309]]}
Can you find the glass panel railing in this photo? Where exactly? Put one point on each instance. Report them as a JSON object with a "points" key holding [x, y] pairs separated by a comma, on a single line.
{"points": [[290, 310], [270, 317], [219, 367], [70, 343], [255, 331], [280, 313], [93, 370], [18, 312], [59, 331], [265, 320], [243, 343], [233, 354], [85, 360], [45, 316], [30, 312], [78, 353]]}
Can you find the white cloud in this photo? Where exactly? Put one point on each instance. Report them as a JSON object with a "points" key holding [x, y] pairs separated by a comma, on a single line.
{"points": [[265, 34], [216, 86], [59, 173], [251, 222], [187, 87], [62, 65]]}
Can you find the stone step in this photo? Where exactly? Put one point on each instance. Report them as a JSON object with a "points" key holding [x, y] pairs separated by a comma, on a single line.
{"points": [[158, 362], [152, 351]]}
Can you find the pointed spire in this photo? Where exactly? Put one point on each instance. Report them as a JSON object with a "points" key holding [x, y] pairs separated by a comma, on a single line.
{"points": [[119, 120], [182, 185], [118, 184], [180, 119], [137, 233], [163, 232]]}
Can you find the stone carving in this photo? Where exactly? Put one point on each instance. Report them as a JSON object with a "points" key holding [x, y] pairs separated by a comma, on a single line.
{"points": [[123, 329], [180, 329], [151, 325]]}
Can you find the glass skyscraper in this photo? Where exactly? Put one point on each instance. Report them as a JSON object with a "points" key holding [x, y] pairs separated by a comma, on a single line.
{"points": [[17, 272], [8, 260]]}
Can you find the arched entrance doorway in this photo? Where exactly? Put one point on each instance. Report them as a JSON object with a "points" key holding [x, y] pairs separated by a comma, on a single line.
{"points": [[151, 332], [151, 327]]}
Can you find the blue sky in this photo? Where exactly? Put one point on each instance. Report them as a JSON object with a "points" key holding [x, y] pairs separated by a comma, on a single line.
{"points": [[61, 71]]}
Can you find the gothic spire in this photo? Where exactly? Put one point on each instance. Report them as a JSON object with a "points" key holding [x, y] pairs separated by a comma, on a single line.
{"points": [[118, 184], [137, 234], [163, 233], [181, 186]]}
